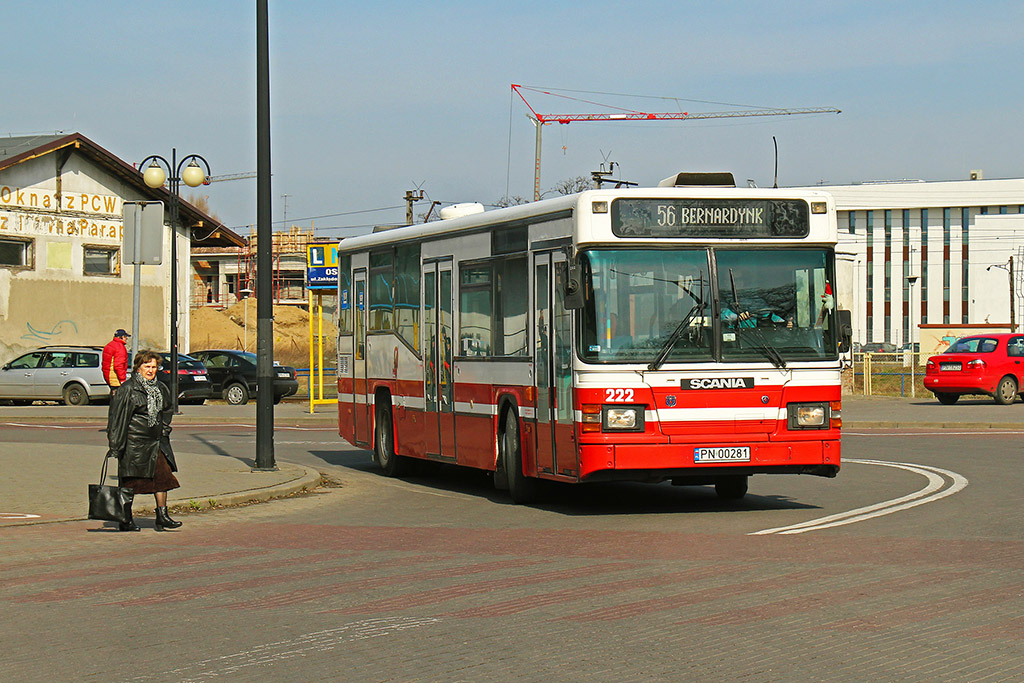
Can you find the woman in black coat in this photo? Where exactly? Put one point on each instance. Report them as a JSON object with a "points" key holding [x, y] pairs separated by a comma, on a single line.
{"points": [[138, 431]]}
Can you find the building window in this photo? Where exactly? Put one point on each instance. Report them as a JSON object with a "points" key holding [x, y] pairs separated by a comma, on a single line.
{"points": [[15, 253], [102, 261]]}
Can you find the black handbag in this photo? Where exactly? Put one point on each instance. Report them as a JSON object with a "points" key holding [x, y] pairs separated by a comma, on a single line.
{"points": [[110, 503]]}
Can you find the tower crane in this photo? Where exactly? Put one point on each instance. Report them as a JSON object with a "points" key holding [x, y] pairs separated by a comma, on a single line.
{"points": [[231, 176], [540, 120]]}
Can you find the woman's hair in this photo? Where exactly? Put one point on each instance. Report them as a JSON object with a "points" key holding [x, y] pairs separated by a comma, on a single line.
{"points": [[144, 357]]}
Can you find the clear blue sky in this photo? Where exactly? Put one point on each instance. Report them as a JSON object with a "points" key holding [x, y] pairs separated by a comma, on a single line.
{"points": [[370, 99]]}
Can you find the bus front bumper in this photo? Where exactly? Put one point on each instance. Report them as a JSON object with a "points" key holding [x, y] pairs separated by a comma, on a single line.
{"points": [[676, 461]]}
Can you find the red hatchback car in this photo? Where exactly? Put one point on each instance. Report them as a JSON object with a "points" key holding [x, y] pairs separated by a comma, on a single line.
{"points": [[987, 364]]}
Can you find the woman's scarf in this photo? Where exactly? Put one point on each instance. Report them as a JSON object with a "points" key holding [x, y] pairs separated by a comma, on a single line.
{"points": [[154, 399]]}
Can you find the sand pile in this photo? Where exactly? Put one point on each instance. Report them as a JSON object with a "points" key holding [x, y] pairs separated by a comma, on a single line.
{"points": [[216, 329]]}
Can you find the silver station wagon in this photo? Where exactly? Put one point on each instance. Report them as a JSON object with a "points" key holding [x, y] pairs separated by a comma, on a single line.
{"points": [[71, 374]]}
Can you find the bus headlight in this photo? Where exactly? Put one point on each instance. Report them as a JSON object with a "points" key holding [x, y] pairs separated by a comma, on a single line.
{"points": [[623, 419], [808, 415]]}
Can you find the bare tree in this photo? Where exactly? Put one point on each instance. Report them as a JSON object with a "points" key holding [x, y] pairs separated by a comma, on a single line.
{"points": [[514, 200], [202, 202], [573, 185]]}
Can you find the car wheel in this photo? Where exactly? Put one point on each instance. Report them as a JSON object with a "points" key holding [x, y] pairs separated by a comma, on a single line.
{"points": [[731, 487], [1006, 392], [236, 394], [947, 399], [521, 489], [392, 464], [75, 395]]}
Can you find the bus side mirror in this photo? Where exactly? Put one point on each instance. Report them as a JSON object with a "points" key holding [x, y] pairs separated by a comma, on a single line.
{"points": [[573, 288], [845, 331]]}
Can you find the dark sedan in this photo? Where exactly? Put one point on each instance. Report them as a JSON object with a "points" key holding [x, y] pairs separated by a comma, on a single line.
{"points": [[233, 375], [193, 379]]}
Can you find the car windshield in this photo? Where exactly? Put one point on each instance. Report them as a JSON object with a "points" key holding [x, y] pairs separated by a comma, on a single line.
{"points": [[761, 305], [974, 345]]}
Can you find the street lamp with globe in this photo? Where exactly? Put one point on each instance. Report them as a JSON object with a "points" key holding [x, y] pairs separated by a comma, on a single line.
{"points": [[158, 171]]}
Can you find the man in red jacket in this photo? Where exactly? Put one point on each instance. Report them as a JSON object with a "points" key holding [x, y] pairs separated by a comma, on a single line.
{"points": [[115, 360]]}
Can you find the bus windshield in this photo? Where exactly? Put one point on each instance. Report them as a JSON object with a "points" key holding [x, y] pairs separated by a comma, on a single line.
{"points": [[705, 305]]}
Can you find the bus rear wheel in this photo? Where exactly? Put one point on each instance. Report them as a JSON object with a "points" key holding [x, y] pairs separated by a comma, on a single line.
{"points": [[732, 487], [521, 488], [392, 464]]}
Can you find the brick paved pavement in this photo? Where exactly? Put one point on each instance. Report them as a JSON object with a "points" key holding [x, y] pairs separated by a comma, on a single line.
{"points": [[236, 599]]}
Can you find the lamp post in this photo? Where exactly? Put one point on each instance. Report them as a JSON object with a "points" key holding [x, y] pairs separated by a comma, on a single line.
{"points": [[174, 172], [911, 281], [1008, 267]]}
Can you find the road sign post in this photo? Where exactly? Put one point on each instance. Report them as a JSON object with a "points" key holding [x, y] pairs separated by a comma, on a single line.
{"points": [[143, 245]]}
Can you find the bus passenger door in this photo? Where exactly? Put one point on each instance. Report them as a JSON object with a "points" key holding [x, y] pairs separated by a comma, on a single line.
{"points": [[439, 406], [361, 411], [556, 446]]}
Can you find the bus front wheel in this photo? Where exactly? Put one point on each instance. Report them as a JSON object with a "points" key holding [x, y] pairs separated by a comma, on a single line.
{"points": [[731, 487], [521, 488]]}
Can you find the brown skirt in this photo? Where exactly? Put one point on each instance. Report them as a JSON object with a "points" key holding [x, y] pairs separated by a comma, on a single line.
{"points": [[163, 479]]}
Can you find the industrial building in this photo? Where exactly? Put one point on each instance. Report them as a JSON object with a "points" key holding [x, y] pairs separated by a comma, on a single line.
{"points": [[915, 253]]}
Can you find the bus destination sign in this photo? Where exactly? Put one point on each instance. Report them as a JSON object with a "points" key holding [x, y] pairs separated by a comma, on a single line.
{"points": [[710, 218]]}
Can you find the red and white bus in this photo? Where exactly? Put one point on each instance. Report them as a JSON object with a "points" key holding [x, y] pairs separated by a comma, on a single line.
{"points": [[673, 333]]}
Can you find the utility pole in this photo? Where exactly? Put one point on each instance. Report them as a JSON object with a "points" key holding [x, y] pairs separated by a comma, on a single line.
{"points": [[410, 198], [1013, 301]]}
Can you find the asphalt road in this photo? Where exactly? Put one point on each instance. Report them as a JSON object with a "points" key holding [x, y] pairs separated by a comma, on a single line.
{"points": [[909, 566]]}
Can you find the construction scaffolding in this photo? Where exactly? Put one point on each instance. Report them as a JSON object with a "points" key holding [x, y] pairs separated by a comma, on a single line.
{"points": [[224, 276]]}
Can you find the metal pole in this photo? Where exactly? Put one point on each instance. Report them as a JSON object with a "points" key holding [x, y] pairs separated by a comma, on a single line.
{"points": [[136, 280], [320, 346], [309, 382], [1013, 307], [174, 185], [913, 357], [536, 168], [264, 274]]}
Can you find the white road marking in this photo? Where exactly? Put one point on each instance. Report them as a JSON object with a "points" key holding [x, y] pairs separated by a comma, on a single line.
{"points": [[17, 515], [932, 492], [944, 432], [270, 654], [49, 426]]}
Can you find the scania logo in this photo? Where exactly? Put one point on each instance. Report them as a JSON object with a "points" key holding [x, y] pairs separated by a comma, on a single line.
{"points": [[718, 383]]}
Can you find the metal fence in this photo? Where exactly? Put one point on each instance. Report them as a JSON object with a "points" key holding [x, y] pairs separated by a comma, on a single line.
{"points": [[887, 374]]}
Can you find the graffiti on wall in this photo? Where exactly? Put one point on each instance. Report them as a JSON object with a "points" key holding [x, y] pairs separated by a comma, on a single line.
{"points": [[57, 330]]}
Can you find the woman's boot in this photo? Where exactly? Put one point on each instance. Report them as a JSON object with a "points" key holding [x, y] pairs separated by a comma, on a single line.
{"points": [[129, 523], [164, 521]]}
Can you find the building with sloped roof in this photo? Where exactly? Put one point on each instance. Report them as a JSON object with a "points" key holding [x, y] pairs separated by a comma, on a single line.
{"points": [[63, 276]]}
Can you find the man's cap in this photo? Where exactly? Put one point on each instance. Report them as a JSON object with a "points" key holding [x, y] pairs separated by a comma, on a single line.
{"points": [[121, 333]]}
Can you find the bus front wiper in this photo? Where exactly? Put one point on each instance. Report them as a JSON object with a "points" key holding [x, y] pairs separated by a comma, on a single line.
{"points": [[674, 338]]}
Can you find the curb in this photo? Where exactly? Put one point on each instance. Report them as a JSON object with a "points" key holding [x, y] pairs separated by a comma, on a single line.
{"points": [[307, 480], [965, 426], [312, 421]]}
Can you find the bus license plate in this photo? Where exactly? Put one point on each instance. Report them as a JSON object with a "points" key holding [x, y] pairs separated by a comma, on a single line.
{"points": [[722, 454]]}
